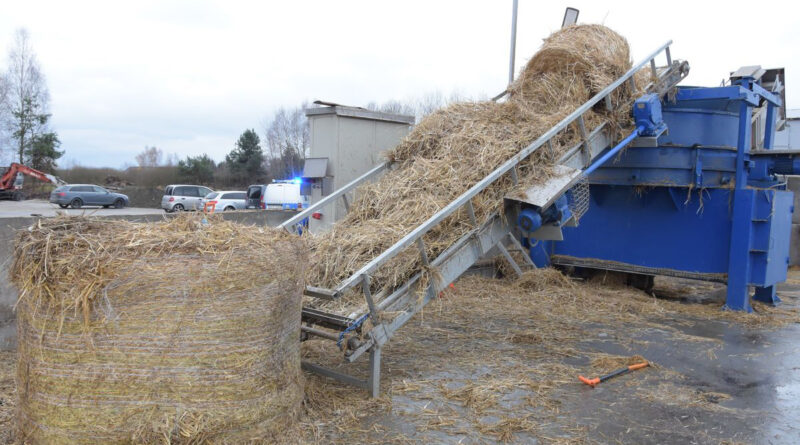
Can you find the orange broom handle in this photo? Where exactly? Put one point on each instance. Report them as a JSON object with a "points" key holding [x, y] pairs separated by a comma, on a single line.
{"points": [[590, 382], [638, 366]]}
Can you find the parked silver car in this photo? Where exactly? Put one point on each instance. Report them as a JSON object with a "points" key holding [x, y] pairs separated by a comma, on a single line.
{"points": [[181, 197], [226, 201], [79, 195]]}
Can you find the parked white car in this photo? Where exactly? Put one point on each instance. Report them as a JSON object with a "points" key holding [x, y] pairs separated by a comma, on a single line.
{"points": [[181, 197], [226, 201]]}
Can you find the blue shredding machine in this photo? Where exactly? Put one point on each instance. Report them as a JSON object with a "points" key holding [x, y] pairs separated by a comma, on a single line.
{"points": [[696, 191]]}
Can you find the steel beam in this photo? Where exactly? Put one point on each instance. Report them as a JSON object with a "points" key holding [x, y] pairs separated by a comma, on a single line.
{"points": [[344, 378]]}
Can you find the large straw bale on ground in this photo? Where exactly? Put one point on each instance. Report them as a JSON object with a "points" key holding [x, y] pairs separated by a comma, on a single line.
{"points": [[172, 332], [453, 148]]}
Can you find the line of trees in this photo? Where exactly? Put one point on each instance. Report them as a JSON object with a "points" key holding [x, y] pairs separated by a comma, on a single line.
{"points": [[25, 130]]}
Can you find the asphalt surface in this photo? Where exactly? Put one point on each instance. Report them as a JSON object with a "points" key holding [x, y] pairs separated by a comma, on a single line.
{"points": [[39, 207]]}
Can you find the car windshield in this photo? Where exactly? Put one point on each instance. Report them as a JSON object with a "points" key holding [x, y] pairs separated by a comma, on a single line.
{"points": [[212, 195]]}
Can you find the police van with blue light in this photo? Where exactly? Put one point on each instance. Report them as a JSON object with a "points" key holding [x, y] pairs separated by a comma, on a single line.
{"points": [[282, 194]]}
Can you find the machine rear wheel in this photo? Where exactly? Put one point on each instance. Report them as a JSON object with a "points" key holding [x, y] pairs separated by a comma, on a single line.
{"points": [[76, 203]]}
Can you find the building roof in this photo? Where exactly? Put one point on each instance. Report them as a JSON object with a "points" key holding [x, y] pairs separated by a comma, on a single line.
{"points": [[358, 113]]}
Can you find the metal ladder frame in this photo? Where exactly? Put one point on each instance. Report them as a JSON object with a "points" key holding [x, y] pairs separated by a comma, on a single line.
{"points": [[452, 262]]}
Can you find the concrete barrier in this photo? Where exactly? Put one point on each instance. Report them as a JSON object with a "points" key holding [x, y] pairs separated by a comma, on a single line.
{"points": [[9, 227]]}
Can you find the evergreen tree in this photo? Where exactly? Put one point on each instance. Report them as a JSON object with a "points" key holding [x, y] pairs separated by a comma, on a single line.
{"points": [[197, 169], [43, 152], [246, 161]]}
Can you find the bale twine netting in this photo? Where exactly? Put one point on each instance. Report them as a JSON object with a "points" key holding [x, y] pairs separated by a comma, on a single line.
{"points": [[168, 332], [452, 149]]}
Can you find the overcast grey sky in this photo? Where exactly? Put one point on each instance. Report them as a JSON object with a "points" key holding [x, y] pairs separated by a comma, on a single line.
{"points": [[190, 76]]}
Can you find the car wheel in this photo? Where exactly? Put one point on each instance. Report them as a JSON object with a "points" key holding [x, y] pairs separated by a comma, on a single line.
{"points": [[105, 207], [63, 206], [229, 208], [177, 208], [119, 204], [76, 203], [17, 196]]}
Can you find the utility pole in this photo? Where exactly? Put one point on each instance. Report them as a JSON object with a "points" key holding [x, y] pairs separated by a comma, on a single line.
{"points": [[513, 42]]}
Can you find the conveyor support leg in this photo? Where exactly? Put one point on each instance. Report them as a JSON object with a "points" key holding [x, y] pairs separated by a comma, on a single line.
{"points": [[375, 371]]}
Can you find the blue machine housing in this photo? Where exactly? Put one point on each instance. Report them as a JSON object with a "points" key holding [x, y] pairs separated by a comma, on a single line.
{"points": [[693, 201]]}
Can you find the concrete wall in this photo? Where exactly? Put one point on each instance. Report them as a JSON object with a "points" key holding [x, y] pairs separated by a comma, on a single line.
{"points": [[9, 227]]}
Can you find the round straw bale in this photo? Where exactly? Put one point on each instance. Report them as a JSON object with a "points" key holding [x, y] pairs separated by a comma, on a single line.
{"points": [[594, 52], [169, 332]]}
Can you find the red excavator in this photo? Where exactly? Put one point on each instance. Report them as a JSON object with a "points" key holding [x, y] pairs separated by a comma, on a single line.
{"points": [[11, 180]]}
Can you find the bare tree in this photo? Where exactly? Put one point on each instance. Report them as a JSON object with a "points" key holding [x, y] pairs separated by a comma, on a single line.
{"points": [[429, 103], [419, 107], [397, 107], [4, 115], [435, 100], [172, 160], [288, 141], [150, 157], [26, 103]]}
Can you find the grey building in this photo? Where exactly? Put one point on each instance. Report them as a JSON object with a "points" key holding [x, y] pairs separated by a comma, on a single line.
{"points": [[789, 137], [345, 143]]}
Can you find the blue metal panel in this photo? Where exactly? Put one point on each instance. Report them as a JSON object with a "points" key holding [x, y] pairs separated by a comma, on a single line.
{"points": [[650, 230], [729, 93], [698, 126], [671, 166], [772, 229]]}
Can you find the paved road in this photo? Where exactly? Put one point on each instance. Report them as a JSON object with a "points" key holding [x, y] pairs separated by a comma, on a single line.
{"points": [[39, 207]]}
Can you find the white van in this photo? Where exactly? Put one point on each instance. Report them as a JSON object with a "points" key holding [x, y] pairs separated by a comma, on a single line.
{"points": [[282, 195]]}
